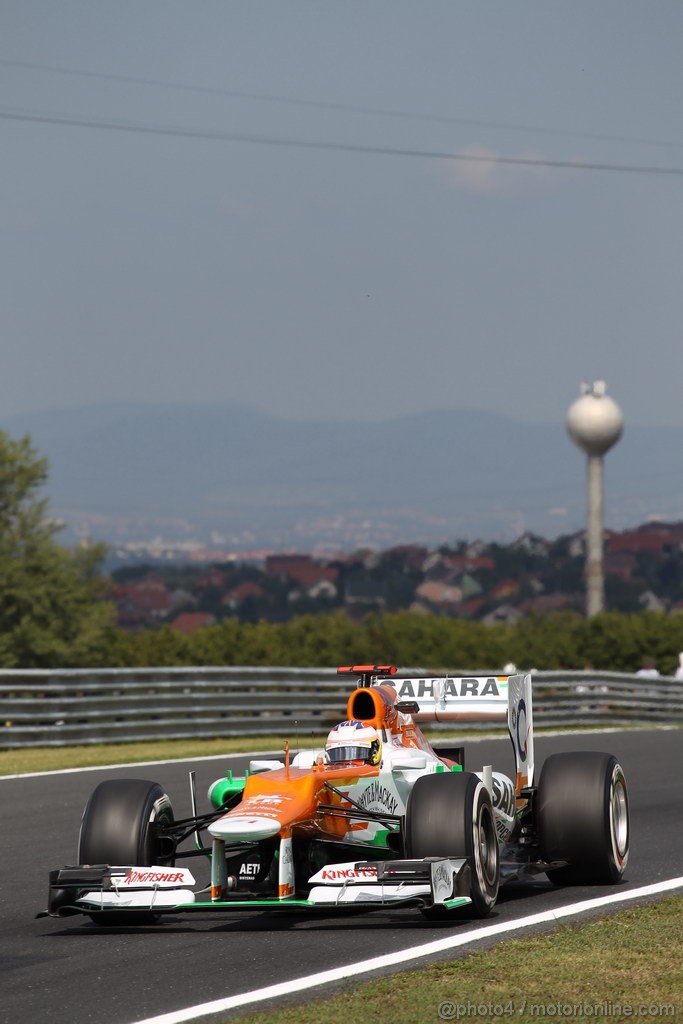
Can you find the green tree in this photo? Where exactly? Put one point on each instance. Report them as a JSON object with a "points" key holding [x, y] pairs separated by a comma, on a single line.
{"points": [[52, 611]]}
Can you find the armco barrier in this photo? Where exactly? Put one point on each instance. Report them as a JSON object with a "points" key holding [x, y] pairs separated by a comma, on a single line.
{"points": [[41, 708]]}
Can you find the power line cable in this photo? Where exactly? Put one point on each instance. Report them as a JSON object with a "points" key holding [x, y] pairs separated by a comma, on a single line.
{"points": [[331, 105], [342, 147]]}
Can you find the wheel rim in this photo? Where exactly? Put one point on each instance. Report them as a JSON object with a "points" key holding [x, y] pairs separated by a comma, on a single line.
{"points": [[156, 849], [619, 817], [486, 847]]}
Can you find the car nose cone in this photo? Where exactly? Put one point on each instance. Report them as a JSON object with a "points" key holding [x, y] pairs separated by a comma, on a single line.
{"points": [[245, 826]]}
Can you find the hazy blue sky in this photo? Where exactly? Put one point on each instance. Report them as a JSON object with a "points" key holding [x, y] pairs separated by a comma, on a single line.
{"points": [[329, 281]]}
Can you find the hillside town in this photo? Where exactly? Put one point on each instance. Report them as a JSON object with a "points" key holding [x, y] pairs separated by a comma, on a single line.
{"points": [[489, 582]]}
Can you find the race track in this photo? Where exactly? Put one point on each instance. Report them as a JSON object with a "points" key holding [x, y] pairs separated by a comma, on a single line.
{"points": [[69, 970]]}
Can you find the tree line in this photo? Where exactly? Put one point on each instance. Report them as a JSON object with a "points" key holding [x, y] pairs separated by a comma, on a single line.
{"points": [[609, 642], [54, 614]]}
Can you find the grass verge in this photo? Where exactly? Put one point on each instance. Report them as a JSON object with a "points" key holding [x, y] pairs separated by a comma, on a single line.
{"points": [[626, 966], [45, 759]]}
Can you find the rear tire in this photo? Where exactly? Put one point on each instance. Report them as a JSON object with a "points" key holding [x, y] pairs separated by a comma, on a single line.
{"points": [[582, 817], [450, 815], [119, 826]]}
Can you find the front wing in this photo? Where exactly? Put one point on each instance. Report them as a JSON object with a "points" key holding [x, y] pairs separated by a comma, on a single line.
{"points": [[374, 885]]}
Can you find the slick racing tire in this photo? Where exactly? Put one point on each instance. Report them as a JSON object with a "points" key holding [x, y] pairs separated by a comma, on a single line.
{"points": [[582, 817], [449, 814], [119, 826]]}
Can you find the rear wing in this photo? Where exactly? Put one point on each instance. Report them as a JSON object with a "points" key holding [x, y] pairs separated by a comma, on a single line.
{"points": [[470, 698]]}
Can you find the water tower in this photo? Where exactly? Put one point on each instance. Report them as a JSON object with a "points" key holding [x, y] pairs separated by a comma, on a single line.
{"points": [[595, 424]]}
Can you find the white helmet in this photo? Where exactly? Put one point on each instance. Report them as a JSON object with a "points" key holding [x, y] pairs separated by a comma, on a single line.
{"points": [[354, 741]]}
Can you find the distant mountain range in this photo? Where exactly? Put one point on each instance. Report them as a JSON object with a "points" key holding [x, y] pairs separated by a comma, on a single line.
{"points": [[132, 470]]}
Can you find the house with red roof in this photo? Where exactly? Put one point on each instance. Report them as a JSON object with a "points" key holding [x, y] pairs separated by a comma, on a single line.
{"points": [[190, 622], [246, 591], [146, 603]]}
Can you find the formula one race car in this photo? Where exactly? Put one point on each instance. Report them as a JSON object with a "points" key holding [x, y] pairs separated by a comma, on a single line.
{"points": [[373, 819]]}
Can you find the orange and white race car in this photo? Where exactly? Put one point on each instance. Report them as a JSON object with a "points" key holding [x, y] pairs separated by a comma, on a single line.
{"points": [[373, 818]]}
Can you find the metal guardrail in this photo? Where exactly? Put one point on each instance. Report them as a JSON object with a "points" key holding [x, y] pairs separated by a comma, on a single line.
{"points": [[43, 708]]}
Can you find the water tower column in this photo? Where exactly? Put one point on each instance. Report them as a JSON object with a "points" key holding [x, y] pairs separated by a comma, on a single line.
{"points": [[595, 424], [595, 584]]}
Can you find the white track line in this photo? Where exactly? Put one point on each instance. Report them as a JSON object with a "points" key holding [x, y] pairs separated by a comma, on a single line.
{"points": [[412, 953]]}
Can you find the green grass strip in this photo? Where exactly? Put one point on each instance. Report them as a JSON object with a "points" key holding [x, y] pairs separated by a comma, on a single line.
{"points": [[44, 759]]}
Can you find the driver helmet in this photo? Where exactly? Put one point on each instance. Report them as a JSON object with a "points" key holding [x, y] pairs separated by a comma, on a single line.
{"points": [[354, 741]]}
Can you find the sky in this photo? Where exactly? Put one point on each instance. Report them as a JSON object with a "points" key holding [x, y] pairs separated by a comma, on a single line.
{"points": [[352, 209]]}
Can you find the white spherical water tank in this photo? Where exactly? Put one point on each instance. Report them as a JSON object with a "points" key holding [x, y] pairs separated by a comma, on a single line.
{"points": [[594, 421]]}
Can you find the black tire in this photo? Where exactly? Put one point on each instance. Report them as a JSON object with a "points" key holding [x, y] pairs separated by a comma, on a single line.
{"points": [[449, 814], [582, 817], [118, 827]]}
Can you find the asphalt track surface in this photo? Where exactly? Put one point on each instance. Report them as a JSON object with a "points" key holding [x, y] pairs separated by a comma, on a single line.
{"points": [[69, 970]]}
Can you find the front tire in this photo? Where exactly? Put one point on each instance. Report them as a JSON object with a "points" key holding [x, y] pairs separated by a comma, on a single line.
{"points": [[450, 815], [582, 817], [120, 826]]}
